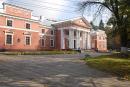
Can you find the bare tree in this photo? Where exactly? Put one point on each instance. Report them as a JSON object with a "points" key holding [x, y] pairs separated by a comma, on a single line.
{"points": [[120, 9]]}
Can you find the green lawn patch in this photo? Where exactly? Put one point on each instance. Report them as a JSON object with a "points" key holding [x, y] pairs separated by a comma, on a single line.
{"points": [[40, 53], [112, 64]]}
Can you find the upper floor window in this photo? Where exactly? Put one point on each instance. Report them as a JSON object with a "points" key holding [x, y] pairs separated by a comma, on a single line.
{"points": [[43, 30], [104, 38], [28, 26], [51, 42], [67, 32], [74, 33], [28, 40], [81, 34], [9, 23], [100, 38], [9, 39], [52, 32]]}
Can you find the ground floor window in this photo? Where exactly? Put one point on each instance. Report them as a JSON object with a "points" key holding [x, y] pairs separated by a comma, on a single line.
{"points": [[42, 42], [28, 40], [9, 39], [52, 43]]}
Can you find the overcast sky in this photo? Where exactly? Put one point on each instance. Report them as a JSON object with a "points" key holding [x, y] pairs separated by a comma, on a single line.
{"points": [[57, 9]]}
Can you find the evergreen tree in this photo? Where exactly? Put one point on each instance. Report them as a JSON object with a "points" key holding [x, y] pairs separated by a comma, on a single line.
{"points": [[101, 25], [94, 27]]}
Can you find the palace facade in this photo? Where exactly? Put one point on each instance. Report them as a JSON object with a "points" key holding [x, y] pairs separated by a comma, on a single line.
{"points": [[21, 31]]}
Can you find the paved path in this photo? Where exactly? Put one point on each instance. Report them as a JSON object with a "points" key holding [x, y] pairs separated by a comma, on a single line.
{"points": [[53, 71]]}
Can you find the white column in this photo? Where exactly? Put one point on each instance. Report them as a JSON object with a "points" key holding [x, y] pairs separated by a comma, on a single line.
{"points": [[71, 38], [62, 39], [78, 39], [84, 42], [88, 41]]}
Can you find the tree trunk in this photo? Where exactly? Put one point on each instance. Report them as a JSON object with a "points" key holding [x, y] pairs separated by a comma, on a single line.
{"points": [[123, 35]]}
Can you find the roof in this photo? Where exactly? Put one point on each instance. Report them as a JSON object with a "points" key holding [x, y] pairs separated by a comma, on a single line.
{"points": [[47, 22], [17, 6], [71, 20], [98, 32]]}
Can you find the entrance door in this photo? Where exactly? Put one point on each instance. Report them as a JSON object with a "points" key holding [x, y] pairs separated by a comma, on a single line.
{"points": [[74, 44]]}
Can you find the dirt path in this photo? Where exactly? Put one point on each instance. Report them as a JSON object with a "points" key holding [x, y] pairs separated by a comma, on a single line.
{"points": [[53, 71]]}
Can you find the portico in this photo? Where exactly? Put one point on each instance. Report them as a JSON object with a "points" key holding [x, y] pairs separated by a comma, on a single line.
{"points": [[75, 38], [73, 34]]}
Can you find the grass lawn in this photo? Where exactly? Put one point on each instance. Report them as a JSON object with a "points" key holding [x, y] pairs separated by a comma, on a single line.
{"points": [[112, 64], [40, 53]]}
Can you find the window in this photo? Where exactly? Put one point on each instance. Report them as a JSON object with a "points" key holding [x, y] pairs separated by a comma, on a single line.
{"points": [[104, 38], [74, 33], [27, 26], [43, 30], [52, 42], [80, 34], [42, 42], [9, 39], [67, 32], [52, 32], [99, 37], [28, 40], [9, 23], [104, 46]]}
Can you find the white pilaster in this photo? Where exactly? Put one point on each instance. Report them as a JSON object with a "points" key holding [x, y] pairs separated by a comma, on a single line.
{"points": [[84, 42], [71, 38], [62, 39], [88, 41], [78, 39]]}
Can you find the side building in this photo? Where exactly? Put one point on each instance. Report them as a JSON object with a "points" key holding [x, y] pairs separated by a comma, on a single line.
{"points": [[99, 40]]}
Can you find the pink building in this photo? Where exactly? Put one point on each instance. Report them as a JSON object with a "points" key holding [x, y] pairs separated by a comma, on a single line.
{"points": [[21, 31], [99, 40]]}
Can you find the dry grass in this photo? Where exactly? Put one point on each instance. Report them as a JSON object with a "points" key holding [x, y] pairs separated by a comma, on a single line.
{"points": [[111, 63]]}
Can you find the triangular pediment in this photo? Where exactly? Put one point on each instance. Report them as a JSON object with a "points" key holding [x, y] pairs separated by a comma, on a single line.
{"points": [[82, 22]]}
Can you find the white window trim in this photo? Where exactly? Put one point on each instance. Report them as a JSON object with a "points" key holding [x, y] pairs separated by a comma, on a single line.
{"points": [[6, 38], [30, 25], [30, 40], [53, 43], [11, 20]]}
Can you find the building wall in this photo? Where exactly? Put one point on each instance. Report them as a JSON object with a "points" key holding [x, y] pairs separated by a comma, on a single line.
{"points": [[45, 33], [17, 11], [19, 29], [58, 39], [101, 43], [19, 40], [99, 40]]}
